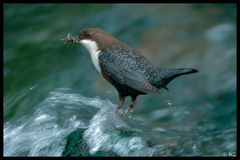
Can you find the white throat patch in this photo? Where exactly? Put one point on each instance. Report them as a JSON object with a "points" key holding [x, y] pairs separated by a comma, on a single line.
{"points": [[94, 52]]}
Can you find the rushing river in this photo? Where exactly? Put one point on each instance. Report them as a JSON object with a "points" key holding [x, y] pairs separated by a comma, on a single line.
{"points": [[52, 91]]}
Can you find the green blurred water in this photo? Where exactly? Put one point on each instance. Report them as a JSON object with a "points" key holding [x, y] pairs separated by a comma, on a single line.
{"points": [[203, 36]]}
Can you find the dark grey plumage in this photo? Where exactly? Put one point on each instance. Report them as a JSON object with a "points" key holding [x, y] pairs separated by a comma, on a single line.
{"points": [[128, 68]]}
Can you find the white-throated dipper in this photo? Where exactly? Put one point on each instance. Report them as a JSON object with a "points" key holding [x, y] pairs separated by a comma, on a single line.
{"points": [[124, 67]]}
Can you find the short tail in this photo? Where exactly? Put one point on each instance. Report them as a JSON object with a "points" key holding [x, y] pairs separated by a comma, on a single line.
{"points": [[182, 71], [166, 75]]}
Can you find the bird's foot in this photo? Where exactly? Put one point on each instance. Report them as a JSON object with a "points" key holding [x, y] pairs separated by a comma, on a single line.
{"points": [[128, 113]]}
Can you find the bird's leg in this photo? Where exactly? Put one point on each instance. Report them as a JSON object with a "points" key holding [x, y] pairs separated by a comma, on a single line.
{"points": [[132, 105], [121, 102]]}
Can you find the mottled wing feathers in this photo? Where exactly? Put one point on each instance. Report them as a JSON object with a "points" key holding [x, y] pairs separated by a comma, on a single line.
{"points": [[122, 66]]}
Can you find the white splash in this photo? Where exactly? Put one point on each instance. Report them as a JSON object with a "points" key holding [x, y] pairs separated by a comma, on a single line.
{"points": [[44, 132]]}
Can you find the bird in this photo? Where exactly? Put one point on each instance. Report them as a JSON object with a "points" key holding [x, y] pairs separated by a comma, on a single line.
{"points": [[124, 67]]}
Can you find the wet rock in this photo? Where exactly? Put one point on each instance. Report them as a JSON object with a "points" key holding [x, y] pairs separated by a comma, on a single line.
{"points": [[75, 145]]}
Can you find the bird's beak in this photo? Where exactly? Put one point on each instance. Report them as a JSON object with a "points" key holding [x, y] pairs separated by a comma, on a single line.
{"points": [[71, 39]]}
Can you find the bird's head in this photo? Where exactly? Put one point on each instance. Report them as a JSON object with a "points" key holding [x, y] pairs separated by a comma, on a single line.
{"points": [[92, 38]]}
